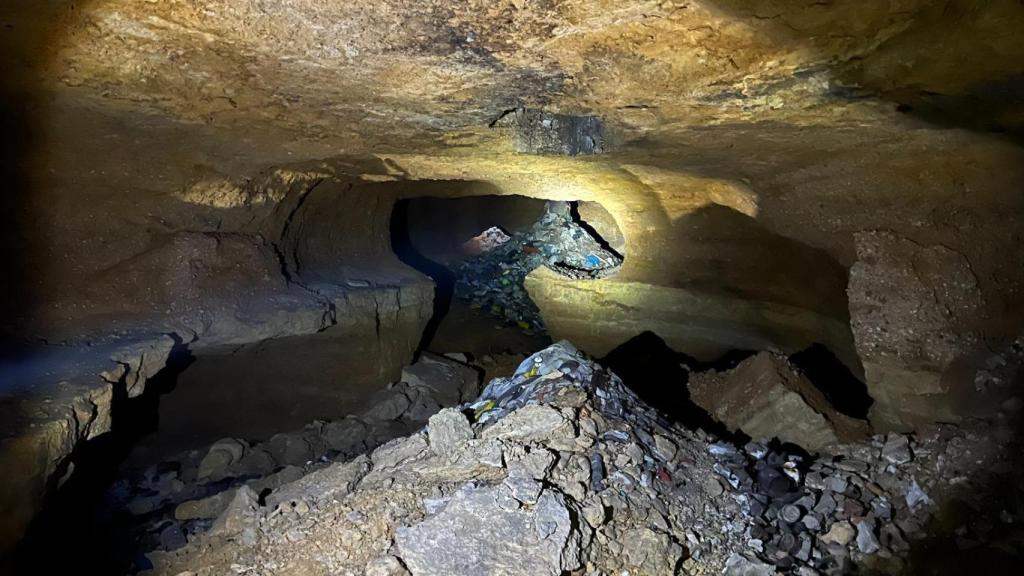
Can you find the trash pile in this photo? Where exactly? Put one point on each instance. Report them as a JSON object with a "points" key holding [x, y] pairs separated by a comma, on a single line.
{"points": [[493, 280], [561, 468]]}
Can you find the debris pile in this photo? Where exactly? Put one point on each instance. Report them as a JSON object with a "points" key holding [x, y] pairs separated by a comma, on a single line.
{"points": [[183, 496], [561, 468], [862, 506], [494, 279]]}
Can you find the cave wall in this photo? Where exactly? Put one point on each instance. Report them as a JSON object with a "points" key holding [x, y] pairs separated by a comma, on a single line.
{"points": [[759, 158], [258, 259]]}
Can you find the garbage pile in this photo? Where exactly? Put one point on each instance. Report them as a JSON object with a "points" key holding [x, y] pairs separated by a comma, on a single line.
{"points": [[493, 280], [560, 468]]}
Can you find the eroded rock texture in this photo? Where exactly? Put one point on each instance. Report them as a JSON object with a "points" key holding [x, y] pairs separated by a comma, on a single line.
{"points": [[222, 172], [916, 311]]}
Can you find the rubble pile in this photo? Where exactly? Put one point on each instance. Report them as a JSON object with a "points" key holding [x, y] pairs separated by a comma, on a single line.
{"points": [[182, 496], [560, 468], [493, 280], [858, 508]]}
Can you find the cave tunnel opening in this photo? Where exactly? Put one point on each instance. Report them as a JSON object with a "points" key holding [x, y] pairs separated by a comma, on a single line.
{"points": [[479, 249]]}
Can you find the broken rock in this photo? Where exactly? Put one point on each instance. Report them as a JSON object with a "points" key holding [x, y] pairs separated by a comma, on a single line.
{"points": [[209, 507], [534, 422], [240, 517], [474, 535], [896, 449], [841, 533], [222, 455], [449, 429], [448, 381], [766, 397]]}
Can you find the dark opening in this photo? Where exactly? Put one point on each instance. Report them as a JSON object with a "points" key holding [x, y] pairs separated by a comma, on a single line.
{"points": [[479, 249], [659, 375], [841, 388]]}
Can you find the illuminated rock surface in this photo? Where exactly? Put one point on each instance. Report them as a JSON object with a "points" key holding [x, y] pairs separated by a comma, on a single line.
{"points": [[200, 178]]}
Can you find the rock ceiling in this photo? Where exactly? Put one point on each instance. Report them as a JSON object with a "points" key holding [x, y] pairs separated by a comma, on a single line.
{"points": [[373, 71]]}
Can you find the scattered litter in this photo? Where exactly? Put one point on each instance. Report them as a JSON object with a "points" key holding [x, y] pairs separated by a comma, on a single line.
{"points": [[493, 279]]}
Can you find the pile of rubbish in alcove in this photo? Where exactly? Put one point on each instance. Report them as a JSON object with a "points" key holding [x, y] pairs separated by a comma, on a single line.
{"points": [[493, 279]]}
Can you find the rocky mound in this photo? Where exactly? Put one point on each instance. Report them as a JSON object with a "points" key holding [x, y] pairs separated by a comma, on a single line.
{"points": [[562, 469]]}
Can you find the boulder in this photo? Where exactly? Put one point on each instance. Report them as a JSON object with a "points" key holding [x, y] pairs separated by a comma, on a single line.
{"points": [[766, 397], [389, 404], [222, 455], [450, 382], [347, 435], [476, 534], [204, 508], [240, 518], [449, 431], [290, 449]]}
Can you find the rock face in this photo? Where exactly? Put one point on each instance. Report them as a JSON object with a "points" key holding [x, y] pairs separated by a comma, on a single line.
{"points": [[915, 311], [766, 397], [484, 531]]}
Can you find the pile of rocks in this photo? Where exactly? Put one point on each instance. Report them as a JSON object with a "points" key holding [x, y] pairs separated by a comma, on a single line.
{"points": [[558, 468], [494, 279], [864, 504], [561, 468], [183, 495]]}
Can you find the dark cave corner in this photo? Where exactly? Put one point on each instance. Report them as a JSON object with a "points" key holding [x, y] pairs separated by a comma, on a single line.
{"points": [[79, 494]]}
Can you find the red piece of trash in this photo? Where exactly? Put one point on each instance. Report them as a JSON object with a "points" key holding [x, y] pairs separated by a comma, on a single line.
{"points": [[530, 249], [663, 475]]}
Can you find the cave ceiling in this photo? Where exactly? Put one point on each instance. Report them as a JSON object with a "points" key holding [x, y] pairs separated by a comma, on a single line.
{"points": [[408, 75]]}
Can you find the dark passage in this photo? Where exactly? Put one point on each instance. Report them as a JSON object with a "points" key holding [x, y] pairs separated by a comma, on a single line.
{"points": [[94, 535], [844, 391], [480, 249], [431, 235], [658, 374]]}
